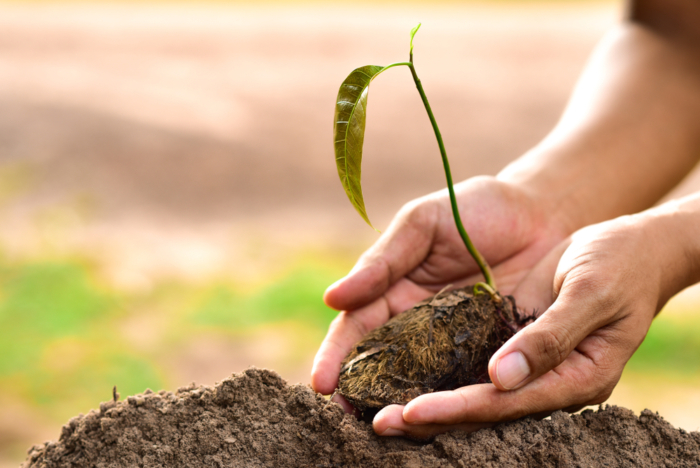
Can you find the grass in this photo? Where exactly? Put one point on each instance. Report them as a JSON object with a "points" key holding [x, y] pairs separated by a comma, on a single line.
{"points": [[671, 348], [63, 338], [296, 295], [57, 337]]}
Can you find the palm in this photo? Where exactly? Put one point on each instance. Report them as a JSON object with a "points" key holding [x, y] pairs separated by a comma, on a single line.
{"points": [[513, 237]]}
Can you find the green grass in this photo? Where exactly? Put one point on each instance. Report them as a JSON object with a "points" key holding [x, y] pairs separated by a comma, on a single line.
{"points": [[62, 329], [672, 346], [58, 337], [40, 303], [294, 296]]}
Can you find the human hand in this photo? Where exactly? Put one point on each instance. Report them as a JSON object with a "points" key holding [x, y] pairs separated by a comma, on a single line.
{"points": [[421, 252], [607, 287]]}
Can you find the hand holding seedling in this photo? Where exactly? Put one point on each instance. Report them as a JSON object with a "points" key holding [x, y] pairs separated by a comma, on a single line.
{"points": [[629, 134], [349, 132], [421, 252], [610, 282]]}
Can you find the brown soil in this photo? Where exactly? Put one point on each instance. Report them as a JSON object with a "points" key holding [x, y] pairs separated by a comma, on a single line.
{"points": [[442, 343], [254, 419]]}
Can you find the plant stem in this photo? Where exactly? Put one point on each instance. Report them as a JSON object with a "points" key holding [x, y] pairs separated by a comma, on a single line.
{"points": [[397, 64], [476, 255]]}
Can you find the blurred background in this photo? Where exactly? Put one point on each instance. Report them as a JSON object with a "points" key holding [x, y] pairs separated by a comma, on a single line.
{"points": [[169, 204]]}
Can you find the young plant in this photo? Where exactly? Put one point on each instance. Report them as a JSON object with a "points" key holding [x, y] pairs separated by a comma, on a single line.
{"points": [[441, 343], [349, 133]]}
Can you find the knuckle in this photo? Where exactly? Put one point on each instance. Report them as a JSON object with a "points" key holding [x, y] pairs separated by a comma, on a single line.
{"points": [[604, 295], [419, 212], [554, 345], [379, 261], [598, 290], [584, 283], [410, 208]]}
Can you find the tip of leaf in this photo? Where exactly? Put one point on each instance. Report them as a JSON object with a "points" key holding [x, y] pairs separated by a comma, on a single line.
{"points": [[369, 223], [413, 33]]}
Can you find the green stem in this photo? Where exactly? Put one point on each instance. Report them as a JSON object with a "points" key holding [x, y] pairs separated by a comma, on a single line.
{"points": [[483, 266], [478, 287], [397, 64]]}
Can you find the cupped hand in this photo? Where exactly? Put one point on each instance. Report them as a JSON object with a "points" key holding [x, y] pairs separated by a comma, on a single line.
{"points": [[606, 283], [421, 252]]}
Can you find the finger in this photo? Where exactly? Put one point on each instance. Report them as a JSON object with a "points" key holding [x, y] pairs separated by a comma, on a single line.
{"points": [[404, 295], [345, 404], [576, 381], [534, 292], [546, 343], [349, 327], [389, 422], [397, 252], [346, 329]]}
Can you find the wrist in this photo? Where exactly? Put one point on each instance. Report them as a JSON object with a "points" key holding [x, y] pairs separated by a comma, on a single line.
{"points": [[556, 192], [674, 227]]}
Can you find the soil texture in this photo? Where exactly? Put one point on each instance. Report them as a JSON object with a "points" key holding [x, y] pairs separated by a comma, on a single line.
{"points": [[442, 343], [254, 419]]}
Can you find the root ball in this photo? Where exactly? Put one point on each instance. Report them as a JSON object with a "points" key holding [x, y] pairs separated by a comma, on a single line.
{"points": [[442, 343]]}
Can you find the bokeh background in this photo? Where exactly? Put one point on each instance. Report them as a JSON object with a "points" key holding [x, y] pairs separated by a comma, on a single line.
{"points": [[169, 205]]}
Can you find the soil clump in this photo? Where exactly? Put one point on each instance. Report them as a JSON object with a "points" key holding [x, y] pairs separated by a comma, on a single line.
{"points": [[442, 343], [254, 419]]}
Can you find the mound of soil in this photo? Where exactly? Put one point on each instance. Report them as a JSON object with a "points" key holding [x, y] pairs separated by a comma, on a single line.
{"points": [[254, 419], [442, 343]]}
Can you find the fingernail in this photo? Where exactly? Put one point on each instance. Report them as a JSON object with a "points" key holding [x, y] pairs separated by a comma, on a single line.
{"points": [[390, 431], [512, 369]]}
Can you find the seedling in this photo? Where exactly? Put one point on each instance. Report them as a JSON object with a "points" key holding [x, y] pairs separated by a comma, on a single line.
{"points": [[349, 134], [442, 343]]}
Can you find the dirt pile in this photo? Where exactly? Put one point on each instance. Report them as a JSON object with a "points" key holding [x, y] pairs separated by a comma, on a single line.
{"points": [[254, 419]]}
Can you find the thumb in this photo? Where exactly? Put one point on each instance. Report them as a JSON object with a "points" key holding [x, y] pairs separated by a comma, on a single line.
{"points": [[398, 251], [546, 343]]}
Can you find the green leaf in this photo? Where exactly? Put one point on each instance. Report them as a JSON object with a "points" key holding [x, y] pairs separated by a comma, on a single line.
{"points": [[349, 132], [413, 33]]}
